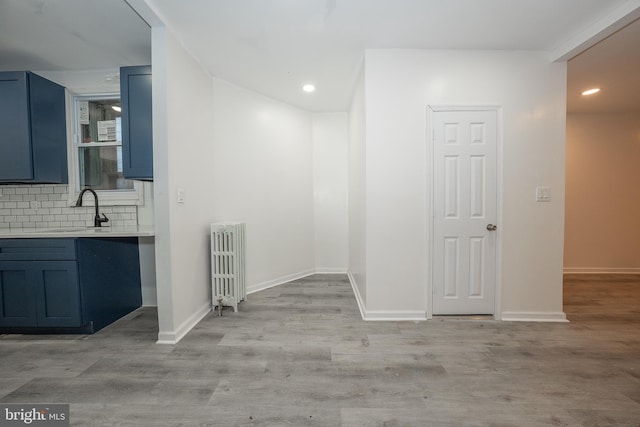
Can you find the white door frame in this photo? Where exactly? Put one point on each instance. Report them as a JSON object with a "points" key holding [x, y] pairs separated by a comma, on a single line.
{"points": [[431, 109]]}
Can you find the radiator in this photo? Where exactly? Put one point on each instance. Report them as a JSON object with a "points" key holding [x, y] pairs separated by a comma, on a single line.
{"points": [[228, 285]]}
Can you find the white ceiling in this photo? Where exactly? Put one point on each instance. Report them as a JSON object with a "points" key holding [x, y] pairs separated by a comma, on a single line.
{"points": [[57, 35], [275, 46]]}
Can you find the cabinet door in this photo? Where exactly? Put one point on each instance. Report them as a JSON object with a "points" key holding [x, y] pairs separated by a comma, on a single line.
{"points": [[57, 293], [48, 130], [17, 305], [137, 123], [16, 163]]}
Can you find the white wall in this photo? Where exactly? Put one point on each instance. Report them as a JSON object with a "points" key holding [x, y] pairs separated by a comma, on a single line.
{"points": [[357, 192], [602, 232], [183, 156], [330, 136], [400, 84], [262, 174]]}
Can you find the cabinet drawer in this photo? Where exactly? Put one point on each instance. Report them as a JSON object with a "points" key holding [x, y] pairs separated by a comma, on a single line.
{"points": [[37, 249]]}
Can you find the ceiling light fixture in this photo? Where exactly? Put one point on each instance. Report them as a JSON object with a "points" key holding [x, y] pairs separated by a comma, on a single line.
{"points": [[116, 108], [591, 91], [308, 88]]}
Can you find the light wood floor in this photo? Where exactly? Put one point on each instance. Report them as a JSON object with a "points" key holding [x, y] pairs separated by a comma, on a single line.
{"points": [[299, 355]]}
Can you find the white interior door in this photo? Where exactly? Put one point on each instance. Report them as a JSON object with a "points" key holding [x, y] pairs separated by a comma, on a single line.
{"points": [[465, 211]]}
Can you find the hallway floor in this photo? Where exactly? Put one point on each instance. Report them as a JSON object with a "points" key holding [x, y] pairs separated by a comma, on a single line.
{"points": [[299, 355]]}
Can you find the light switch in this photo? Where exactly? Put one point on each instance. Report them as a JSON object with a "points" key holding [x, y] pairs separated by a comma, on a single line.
{"points": [[543, 194], [180, 195]]}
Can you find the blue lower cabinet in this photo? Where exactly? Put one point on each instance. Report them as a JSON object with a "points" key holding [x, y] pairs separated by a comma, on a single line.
{"points": [[17, 295], [109, 278], [57, 293], [96, 282]]}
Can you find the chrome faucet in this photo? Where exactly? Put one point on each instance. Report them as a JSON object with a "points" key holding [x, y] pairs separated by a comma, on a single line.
{"points": [[97, 220]]}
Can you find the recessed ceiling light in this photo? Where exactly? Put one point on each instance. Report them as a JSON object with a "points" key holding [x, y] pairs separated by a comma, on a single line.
{"points": [[116, 108], [591, 91], [308, 88]]}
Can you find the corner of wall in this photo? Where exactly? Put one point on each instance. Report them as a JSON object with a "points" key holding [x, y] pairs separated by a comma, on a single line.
{"points": [[173, 337]]}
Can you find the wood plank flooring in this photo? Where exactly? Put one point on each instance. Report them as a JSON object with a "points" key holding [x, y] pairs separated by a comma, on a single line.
{"points": [[299, 355]]}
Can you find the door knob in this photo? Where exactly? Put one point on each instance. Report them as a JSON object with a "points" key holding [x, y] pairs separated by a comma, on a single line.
{"points": [[492, 227]]}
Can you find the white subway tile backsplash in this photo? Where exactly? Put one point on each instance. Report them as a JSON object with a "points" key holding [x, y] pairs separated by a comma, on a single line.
{"points": [[47, 206]]}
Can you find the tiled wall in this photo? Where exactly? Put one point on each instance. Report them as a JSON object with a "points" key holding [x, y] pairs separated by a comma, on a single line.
{"points": [[47, 206]]}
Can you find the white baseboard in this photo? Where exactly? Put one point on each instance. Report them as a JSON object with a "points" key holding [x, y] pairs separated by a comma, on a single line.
{"points": [[182, 330], [533, 316], [331, 270], [600, 270], [279, 281]]}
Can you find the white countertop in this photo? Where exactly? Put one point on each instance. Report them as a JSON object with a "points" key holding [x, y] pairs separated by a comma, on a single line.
{"points": [[70, 232]]}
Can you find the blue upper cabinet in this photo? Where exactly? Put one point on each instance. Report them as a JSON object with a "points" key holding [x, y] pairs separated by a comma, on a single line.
{"points": [[137, 123], [33, 141]]}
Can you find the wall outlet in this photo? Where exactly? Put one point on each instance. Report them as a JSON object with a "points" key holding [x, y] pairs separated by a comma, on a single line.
{"points": [[543, 194], [180, 195]]}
